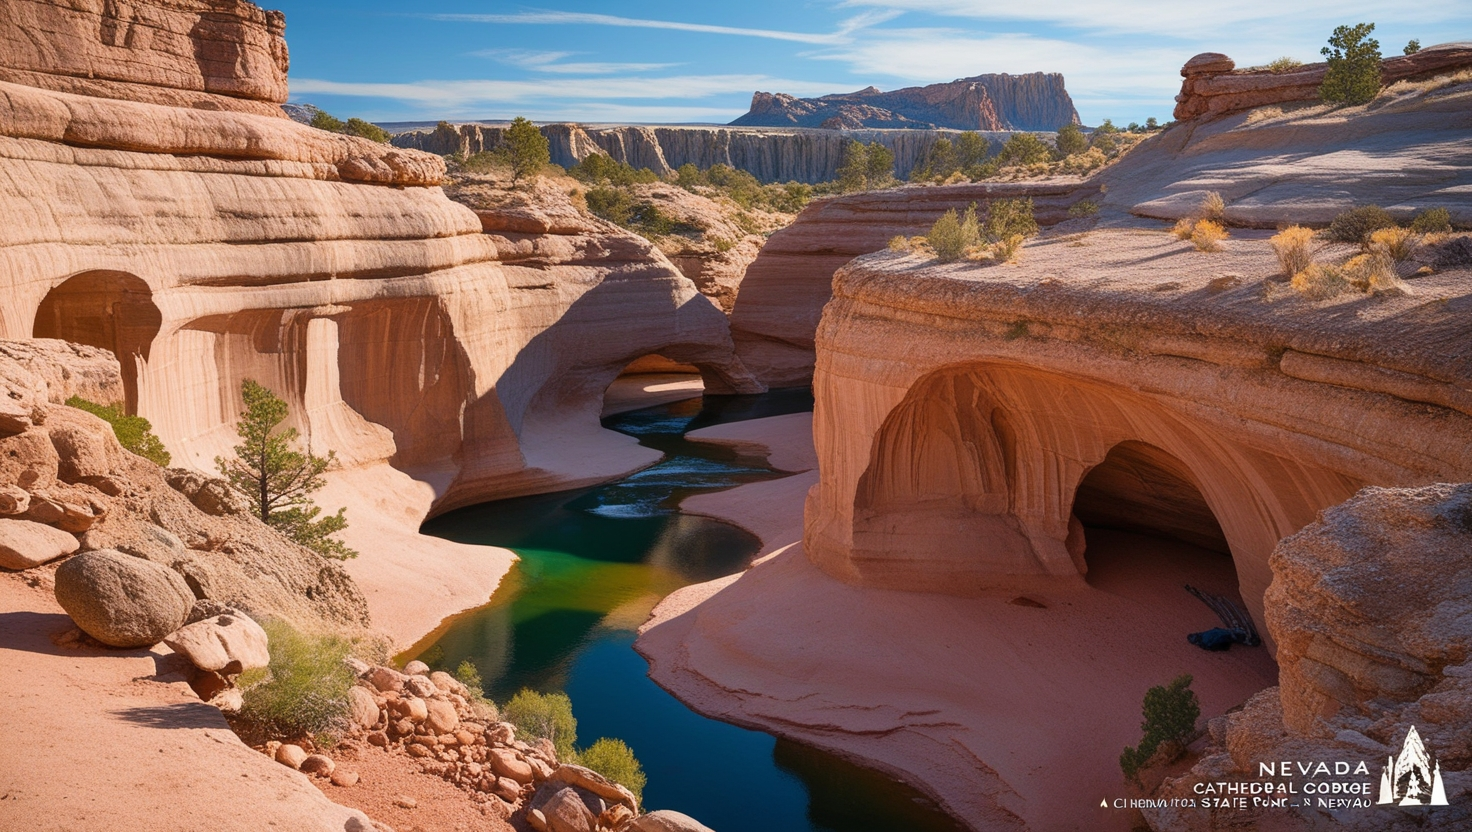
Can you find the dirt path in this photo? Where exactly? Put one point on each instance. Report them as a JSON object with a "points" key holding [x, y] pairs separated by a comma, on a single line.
{"points": [[114, 739]]}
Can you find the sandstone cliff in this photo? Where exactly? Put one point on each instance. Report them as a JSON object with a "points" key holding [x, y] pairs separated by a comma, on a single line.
{"points": [[233, 245], [1032, 101], [771, 155]]}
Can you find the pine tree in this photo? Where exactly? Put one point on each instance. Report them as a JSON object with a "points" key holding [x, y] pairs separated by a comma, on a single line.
{"points": [[278, 480], [1353, 74], [853, 170], [879, 167], [526, 149]]}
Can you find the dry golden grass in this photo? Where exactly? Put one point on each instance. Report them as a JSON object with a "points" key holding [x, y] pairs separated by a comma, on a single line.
{"points": [[899, 242], [1006, 250], [1183, 228], [1212, 207], [1321, 282], [1207, 236], [1292, 247], [1396, 242]]}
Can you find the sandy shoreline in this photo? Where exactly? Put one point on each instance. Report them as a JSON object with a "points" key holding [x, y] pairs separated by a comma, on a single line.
{"points": [[1007, 714]]}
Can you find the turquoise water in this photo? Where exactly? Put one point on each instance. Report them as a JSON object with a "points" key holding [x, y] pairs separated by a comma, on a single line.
{"points": [[594, 562]]}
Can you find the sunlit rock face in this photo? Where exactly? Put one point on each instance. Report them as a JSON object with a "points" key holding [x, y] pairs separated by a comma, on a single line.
{"points": [[163, 207], [966, 413]]}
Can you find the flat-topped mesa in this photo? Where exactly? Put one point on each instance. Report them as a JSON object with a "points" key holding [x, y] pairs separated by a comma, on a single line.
{"points": [[205, 245], [1207, 395], [1031, 101], [1213, 86]]}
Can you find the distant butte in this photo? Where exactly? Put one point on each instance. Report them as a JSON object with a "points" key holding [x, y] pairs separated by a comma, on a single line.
{"points": [[1031, 101]]}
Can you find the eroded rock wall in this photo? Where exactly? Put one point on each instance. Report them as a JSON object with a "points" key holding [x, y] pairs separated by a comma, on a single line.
{"points": [[245, 245], [959, 408]]}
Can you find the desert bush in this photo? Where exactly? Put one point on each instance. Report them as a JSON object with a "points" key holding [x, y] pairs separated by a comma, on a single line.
{"points": [[484, 162], [1321, 281], [1024, 149], [326, 121], [1357, 224], [899, 242], [1071, 140], [367, 130], [1207, 235], [1353, 72], [1412, 47], [1212, 207], [1009, 217], [612, 204], [134, 433], [469, 676], [1005, 250], [303, 692], [1083, 208], [616, 761], [1432, 221], [1284, 64], [950, 236], [545, 715], [1395, 242], [1170, 713], [1371, 271], [1183, 228], [1292, 247]]}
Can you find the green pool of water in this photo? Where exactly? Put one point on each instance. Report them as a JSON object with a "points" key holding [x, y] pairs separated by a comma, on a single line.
{"points": [[594, 562]]}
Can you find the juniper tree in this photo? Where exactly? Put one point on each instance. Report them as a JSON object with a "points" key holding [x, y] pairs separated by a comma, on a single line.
{"points": [[279, 480], [1353, 72], [525, 148]]}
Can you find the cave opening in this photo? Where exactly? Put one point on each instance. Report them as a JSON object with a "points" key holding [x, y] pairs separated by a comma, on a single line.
{"points": [[107, 309], [650, 380], [1142, 512]]}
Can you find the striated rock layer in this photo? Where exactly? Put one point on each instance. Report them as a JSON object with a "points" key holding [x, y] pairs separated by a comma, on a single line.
{"points": [[771, 155], [1031, 101], [207, 246], [965, 403], [784, 289]]}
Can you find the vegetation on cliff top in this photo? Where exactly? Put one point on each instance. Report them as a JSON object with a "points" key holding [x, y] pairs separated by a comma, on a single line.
{"points": [[279, 480], [303, 692], [1353, 72], [999, 237], [352, 127], [134, 433]]}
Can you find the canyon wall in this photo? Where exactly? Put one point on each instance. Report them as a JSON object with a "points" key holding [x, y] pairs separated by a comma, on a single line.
{"points": [[209, 244], [771, 155], [1031, 101], [785, 288], [967, 403]]}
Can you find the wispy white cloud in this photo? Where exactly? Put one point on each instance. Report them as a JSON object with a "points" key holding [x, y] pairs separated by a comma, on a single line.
{"points": [[1175, 18], [552, 62], [582, 89], [841, 34]]}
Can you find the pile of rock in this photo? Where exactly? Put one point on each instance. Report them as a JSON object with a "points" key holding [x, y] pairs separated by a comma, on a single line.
{"points": [[434, 718]]}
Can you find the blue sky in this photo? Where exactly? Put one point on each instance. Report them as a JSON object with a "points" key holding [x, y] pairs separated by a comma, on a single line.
{"points": [[665, 61]]}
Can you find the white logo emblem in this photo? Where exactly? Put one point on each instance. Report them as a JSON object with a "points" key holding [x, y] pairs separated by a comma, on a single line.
{"points": [[1413, 778]]}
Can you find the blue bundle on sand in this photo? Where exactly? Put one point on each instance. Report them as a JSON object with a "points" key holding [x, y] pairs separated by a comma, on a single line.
{"points": [[1239, 628]]}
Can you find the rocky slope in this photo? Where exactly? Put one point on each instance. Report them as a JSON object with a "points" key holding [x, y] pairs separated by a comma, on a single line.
{"points": [[1032, 101], [1368, 606], [771, 155], [66, 485]]}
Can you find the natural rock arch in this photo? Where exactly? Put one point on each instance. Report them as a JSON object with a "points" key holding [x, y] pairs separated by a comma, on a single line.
{"points": [[1141, 488], [108, 309]]}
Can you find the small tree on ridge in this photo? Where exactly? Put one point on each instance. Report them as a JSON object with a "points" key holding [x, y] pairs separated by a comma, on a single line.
{"points": [[526, 149], [1353, 74]]}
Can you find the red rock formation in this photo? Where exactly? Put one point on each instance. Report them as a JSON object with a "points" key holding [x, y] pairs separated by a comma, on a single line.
{"points": [[1032, 101], [783, 292], [1213, 87]]}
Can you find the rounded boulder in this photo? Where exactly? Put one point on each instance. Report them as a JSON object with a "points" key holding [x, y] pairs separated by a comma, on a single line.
{"points": [[121, 600]]}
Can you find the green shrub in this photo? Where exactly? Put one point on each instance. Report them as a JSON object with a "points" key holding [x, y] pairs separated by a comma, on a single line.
{"points": [[1353, 73], [1071, 140], [325, 121], [134, 433], [367, 130], [1083, 208], [486, 161], [616, 761], [525, 148], [1007, 218], [1170, 713], [951, 235], [1357, 224], [304, 690], [1284, 64], [613, 204], [1412, 47], [1432, 221], [971, 149], [545, 715], [1024, 149], [865, 166]]}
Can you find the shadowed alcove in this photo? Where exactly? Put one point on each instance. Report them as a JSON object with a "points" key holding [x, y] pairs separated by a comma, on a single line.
{"points": [[107, 309]]}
